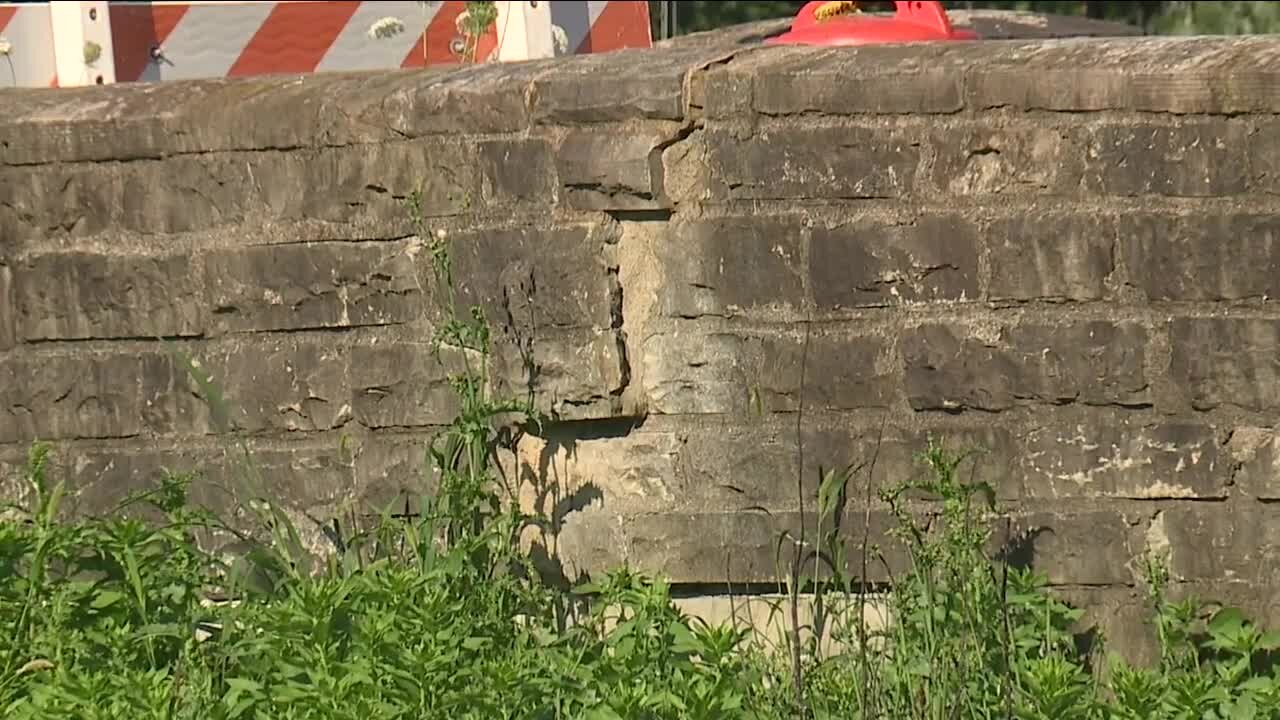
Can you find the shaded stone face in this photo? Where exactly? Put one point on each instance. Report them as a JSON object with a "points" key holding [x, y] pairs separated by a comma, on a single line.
{"points": [[728, 272]]}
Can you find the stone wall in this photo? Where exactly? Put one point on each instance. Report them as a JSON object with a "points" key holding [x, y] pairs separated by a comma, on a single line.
{"points": [[724, 258]]}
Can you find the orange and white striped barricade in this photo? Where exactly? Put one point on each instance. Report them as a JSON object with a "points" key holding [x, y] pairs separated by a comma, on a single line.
{"points": [[154, 41]]}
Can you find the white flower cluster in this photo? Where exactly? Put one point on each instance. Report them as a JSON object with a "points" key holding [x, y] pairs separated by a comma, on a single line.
{"points": [[386, 27], [6, 47], [560, 39]]}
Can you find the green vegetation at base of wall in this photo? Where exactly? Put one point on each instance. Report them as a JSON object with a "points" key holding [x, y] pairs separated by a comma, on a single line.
{"points": [[105, 619]]}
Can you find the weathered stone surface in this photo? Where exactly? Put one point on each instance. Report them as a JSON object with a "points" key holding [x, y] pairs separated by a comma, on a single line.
{"points": [[573, 373], [1264, 157], [296, 476], [1191, 160], [518, 170], [364, 192], [1202, 256], [1221, 541], [614, 167], [615, 86], [1080, 548], [148, 121], [843, 370], [283, 384], [552, 299], [990, 159], [175, 195], [484, 98], [370, 184], [534, 277], [565, 473], [1092, 363], [886, 456], [870, 186], [734, 265], [1093, 548], [1226, 361], [728, 547], [70, 396], [870, 263], [1256, 454], [84, 295], [850, 81], [402, 384], [686, 373], [99, 480], [313, 285], [1124, 459], [175, 398], [393, 472], [741, 468], [8, 333], [1168, 74], [1119, 617], [1050, 256], [810, 162]]}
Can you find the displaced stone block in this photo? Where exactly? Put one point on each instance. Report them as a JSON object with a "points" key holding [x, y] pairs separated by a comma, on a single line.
{"points": [[1202, 256], [1213, 541], [870, 263], [1190, 160], [1055, 256], [734, 265], [1092, 363], [84, 295], [402, 384], [86, 395], [313, 285], [281, 384], [1124, 459], [981, 159], [1226, 361], [749, 374], [810, 162], [616, 167]]}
